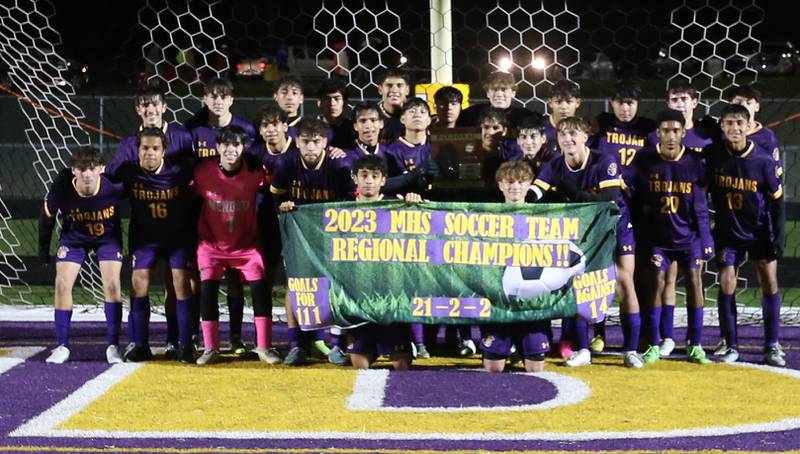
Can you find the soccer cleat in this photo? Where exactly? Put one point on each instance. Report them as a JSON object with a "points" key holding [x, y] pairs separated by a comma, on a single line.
{"points": [[135, 354], [721, 348], [598, 344], [666, 347], [632, 360], [237, 347], [695, 354], [197, 340], [780, 350], [268, 355], [422, 351], [731, 355], [58, 355], [112, 355], [295, 357], [171, 351], [580, 358], [773, 357], [186, 355], [565, 348], [467, 348], [652, 354], [337, 357], [209, 357]]}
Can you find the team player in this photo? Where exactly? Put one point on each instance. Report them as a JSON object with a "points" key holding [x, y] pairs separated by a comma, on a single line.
{"points": [[410, 155], [530, 145], [161, 227], [530, 339], [394, 87], [204, 127], [500, 88], [622, 132], [563, 101], [367, 123], [447, 101], [683, 98], [332, 106], [585, 175], [749, 222], [88, 202], [229, 238], [273, 127], [366, 342], [668, 182], [289, 96], [150, 106], [308, 175]]}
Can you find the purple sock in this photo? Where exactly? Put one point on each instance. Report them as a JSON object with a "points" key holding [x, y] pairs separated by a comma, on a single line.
{"points": [[771, 309], [173, 327], [631, 328], [140, 313], [62, 319], [581, 333], [319, 334], [727, 321], [294, 337], [183, 316], [334, 338], [668, 322], [567, 330], [653, 326], [235, 314], [113, 321], [695, 322], [417, 334]]}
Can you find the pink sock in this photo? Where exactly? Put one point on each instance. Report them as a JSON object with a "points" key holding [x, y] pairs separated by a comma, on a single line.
{"points": [[210, 334], [263, 332]]}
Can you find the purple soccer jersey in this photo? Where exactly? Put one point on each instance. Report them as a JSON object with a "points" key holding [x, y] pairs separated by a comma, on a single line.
{"points": [[766, 140], [268, 157], [292, 123], [179, 144], [597, 173], [161, 202], [88, 222], [621, 139], [742, 186], [670, 192], [403, 156], [361, 149], [204, 136], [329, 180]]}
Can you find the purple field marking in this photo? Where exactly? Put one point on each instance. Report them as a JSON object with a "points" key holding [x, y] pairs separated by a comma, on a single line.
{"points": [[34, 395]]}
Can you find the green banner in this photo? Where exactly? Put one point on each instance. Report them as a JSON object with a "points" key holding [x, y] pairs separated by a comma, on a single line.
{"points": [[438, 262]]}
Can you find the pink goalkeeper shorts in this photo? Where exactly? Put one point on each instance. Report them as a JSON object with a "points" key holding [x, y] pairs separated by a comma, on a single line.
{"points": [[212, 263]]}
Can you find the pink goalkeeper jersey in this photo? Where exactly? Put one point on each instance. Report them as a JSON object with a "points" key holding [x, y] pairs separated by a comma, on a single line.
{"points": [[228, 215]]}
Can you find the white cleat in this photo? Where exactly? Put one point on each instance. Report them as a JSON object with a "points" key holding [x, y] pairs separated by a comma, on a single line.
{"points": [[666, 347], [58, 355], [632, 360], [113, 355], [582, 357]]}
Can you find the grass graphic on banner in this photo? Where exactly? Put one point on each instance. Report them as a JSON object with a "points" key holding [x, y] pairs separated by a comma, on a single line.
{"points": [[312, 399]]}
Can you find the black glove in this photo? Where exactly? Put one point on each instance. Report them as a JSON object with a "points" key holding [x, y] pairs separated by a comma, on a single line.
{"points": [[44, 256], [46, 226], [429, 168], [566, 187], [778, 244]]}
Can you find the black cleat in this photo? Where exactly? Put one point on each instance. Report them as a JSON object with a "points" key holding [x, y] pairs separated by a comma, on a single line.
{"points": [[138, 354]]}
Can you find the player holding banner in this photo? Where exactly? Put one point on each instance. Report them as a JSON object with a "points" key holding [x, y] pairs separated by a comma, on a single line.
{"points": [[585, 175], [88, 202], [229, 238]]}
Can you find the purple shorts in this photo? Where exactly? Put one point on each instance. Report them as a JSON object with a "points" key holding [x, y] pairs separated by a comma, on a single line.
{"points": [[145, 256], [737, 255], [106, 250], [372, 339], [529, 337], [626, 244], [690, 257]]}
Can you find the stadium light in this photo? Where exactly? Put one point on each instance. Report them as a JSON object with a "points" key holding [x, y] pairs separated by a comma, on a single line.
{"points": [[504, 64], [538, 63], [403, 60]]}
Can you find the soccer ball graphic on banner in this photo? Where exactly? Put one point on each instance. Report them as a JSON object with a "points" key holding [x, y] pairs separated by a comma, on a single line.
{"points": [[525, 282]]}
